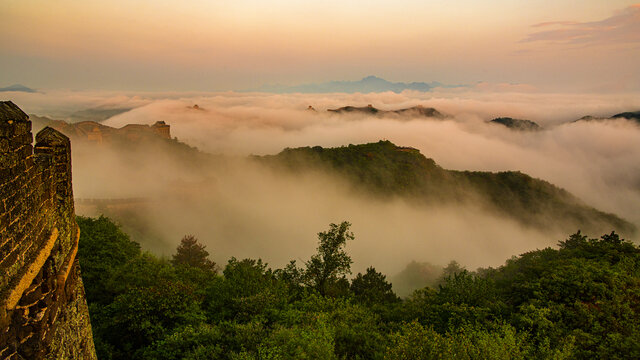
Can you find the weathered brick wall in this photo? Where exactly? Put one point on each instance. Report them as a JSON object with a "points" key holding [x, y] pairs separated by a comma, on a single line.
{"points": [[43, 312]]}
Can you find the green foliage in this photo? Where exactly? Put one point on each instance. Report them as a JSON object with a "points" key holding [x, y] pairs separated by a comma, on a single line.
{"points": [[387, 170], [305, 341], [293, 277], [415, 341], [372, 288], [579, 301], [588, 290], [192, 343], [326, 270], [193, 254], [453, 268], [103, 248], [248, 290], [414, 276], [381, 168], [141, 316]]}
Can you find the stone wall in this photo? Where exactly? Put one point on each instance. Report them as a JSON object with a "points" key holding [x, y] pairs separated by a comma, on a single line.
{"points": [[43, 311], [98, 133]]}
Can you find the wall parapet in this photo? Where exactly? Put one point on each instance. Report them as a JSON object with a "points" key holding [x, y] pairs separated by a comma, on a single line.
{"points": [[41, 288]]}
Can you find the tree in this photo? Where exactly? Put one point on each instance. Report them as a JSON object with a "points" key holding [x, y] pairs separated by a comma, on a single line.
{"points": [[247, 289], [102, 250], [143, 315], [450, 270], [372, 288], [329, 266], [190, 252]]}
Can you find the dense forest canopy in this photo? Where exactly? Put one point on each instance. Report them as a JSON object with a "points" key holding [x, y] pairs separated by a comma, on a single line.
{"points": [[385, 169], [579, 300]]}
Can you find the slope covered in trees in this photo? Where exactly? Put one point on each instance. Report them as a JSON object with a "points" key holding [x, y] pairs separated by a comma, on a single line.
{"points": [[385, 169], [516, 124], [577, 301]]}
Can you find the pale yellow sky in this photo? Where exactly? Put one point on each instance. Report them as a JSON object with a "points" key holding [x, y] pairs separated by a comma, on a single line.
{"points": [[216, 45]]}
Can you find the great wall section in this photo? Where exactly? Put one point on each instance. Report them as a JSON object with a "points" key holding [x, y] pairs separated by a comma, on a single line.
{"points": [[43, 310]]}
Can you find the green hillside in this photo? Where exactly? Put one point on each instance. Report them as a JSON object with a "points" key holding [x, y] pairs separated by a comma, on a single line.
{"points": [[577, 301], [388, 170]]}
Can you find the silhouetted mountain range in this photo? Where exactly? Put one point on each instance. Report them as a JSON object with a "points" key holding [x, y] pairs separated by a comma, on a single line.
{"points": [[369, 84], [385, 169], [18, 87], [414, 111], [629, 115], [516, 124]]}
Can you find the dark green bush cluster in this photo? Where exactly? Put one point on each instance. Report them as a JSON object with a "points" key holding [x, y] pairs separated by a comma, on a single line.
{"points": [[579, 301]]}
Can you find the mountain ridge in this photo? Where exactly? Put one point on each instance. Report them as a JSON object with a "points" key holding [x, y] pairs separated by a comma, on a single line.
{"points": [[19, 88], [516, 124], [386, 169], [368, 84], [633, 116], [418, 110]]}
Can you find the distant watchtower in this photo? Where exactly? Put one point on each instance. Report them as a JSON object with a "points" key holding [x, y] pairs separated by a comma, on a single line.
{"points": [[162, 129]]}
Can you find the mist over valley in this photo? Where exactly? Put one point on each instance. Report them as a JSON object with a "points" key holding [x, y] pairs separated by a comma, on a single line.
{"points": [[250, 180], [241, 205]]}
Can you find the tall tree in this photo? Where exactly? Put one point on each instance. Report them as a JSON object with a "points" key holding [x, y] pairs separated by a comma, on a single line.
{"points": [[190, 252], [373, 288], [329, 266]]}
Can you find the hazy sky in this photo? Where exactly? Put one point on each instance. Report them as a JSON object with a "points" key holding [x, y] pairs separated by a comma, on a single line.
{"points": [[566, 45]]}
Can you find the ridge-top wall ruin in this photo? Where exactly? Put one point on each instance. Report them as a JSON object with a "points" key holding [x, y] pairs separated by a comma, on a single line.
{"points": [[43, 311]]}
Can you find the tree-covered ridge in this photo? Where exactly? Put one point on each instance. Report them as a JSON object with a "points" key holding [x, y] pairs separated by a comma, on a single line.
{"points": [[389, 170], [516, 124], [629, 115], [579, 301]]}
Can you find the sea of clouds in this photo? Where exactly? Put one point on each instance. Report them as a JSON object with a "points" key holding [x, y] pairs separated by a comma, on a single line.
{"points": [[240, 210]]}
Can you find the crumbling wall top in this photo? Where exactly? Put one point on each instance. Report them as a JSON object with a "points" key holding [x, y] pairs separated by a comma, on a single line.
{"points": [[10, 112], [51, 137]]}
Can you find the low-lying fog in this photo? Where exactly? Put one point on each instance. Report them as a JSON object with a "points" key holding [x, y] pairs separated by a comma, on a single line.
{"points": [[240, 209]]}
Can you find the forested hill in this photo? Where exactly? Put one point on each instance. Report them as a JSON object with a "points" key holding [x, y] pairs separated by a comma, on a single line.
{"points": [[579, 301], [386, 170]]}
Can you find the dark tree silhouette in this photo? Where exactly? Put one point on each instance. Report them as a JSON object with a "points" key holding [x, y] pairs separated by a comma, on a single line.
{"points": [[373, 288], [328, 267], [190, 252]]}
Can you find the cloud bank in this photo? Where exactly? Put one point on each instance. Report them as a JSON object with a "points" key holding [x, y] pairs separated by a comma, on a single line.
{"points": [[621, 28], [240, 209]]}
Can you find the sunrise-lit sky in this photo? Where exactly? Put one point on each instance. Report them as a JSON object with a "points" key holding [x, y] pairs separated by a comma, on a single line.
{"points": [[212, 45]]}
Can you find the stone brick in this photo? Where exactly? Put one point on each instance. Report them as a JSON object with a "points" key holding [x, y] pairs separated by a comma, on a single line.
{"points": [[4, 145], [6, 247], [6, 130], [34, 322]]}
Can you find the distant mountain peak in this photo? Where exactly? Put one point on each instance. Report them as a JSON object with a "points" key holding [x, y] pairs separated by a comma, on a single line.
{"points": [[516, 124], [18, 87], [411, 112], [633, 116], [368, 84], [629, 115], [372, 77]]}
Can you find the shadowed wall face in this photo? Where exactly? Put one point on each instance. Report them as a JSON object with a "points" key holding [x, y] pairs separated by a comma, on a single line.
{"points": [[43, 312]]}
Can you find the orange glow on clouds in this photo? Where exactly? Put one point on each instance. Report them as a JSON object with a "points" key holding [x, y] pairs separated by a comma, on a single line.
{"points": [[283, 40]]}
